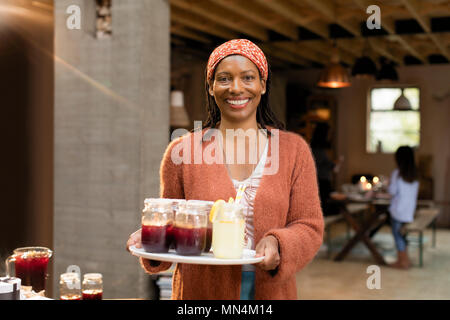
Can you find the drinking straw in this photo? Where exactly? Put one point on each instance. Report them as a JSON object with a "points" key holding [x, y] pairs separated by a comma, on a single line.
{"points": [[240, 193]]}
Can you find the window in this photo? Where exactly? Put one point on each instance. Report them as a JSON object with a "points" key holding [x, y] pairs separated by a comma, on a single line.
{"points": [[388, 128]]}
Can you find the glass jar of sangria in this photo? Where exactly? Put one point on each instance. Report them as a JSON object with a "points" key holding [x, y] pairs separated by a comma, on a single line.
{"points": [[70, 286], [176, 205], [157, 225], [92, 286], [207, 205], [190, 228]]}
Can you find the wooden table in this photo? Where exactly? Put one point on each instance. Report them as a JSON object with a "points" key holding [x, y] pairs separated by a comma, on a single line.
{"points": [[376, 216]]}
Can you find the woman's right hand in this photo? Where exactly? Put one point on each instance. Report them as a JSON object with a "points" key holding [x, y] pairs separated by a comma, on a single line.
{"points": [[134, 240]]}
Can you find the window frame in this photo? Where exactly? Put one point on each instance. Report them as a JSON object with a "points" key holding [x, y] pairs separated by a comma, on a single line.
{"points": [[369, 111]]}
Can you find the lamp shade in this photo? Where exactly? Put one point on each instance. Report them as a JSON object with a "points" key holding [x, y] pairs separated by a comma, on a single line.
{"points": [[178, 114], [364, 67], [387, 71], [402, 103], [334, 75]]}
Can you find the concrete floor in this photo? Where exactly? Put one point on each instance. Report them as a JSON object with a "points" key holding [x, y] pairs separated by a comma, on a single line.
{"points": [[326, 279]]}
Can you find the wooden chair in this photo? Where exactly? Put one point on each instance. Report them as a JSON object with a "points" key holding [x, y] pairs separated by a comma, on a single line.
{"points": [[422, 219]]}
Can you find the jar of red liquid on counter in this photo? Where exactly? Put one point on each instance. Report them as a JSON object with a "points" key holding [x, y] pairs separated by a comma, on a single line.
{"points": [[31, 266], [69, 286], [92, 286], [157, 223], [190, 228]]}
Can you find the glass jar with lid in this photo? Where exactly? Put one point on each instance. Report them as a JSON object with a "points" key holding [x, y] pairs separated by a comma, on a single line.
{"points": [[69, 286], [92, 286], [157, 224], [176, 205], [228, 231], [191, 222], [206, 207]]}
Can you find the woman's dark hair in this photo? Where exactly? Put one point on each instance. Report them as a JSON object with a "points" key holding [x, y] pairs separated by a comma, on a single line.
{"points": [[264, 114], [404, 156], [320, 136]]}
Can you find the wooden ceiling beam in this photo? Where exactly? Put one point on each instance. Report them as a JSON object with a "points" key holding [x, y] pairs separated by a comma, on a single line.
{"points": [[388, 24], [328, 9], [290, 13], [220, 18], [185, 33], [286, 30], [413, 7], [284, 55], [379, 46], [430, 8], [325, 48], [302, 50], [201, 24]]}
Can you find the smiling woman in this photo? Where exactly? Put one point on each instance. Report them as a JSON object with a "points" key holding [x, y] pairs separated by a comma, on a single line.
{"points": [[237, 89], [283, 217], [247, 58]]}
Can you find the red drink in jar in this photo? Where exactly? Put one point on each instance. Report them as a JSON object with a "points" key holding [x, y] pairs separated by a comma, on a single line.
{"points": [[189, 241], [157, 220], [92, 286], [208, 239], [170, 237], [156, 238], [92, 294], [190, 228]]}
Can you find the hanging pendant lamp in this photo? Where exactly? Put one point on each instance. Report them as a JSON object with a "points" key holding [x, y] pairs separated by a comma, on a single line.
{"points": [[402, 103], [334, 75], [364, 67], [387, 71]]}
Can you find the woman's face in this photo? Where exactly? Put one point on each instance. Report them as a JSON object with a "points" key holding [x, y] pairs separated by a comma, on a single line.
{"points": [[237, 88]]}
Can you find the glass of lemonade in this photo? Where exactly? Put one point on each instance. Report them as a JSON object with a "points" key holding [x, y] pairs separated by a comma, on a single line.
{"points": [[228, 232]]}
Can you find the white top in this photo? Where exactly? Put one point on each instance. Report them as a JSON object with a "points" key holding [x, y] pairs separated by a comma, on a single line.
{"points": [[404, 197], [248, 200]]}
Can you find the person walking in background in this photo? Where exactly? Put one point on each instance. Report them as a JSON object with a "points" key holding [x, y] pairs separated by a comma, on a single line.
{"points": [[404, 188]]}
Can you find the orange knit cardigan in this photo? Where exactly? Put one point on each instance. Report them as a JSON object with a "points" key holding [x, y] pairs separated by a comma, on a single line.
{"points": [[286, 206]]}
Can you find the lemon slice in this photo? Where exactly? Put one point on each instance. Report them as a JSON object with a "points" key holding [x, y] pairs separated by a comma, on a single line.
{"points": [[215, 208]]}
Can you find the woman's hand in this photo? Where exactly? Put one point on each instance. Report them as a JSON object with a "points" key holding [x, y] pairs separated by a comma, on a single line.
{"points": [[134, 240], [268, 247]]}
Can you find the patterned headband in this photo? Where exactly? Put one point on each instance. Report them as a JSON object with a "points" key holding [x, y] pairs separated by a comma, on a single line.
{"points": [[241, 47]]}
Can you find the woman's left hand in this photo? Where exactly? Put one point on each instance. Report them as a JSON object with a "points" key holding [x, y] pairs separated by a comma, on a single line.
{"points": [[268, 247]]}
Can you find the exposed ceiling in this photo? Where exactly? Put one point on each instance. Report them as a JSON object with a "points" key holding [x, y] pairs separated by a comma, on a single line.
{"points": [[301, 33]]}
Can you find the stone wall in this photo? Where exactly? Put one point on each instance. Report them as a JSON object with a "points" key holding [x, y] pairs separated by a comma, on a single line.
{"points": [[111, 129]]}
